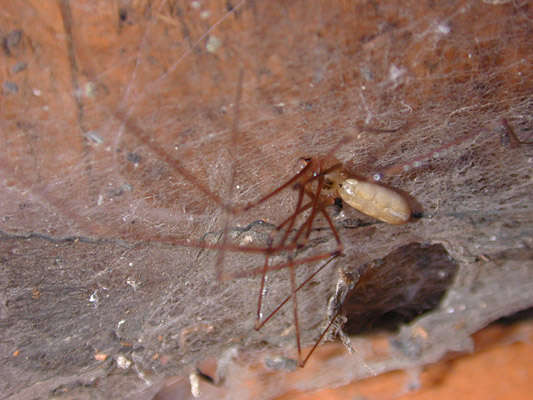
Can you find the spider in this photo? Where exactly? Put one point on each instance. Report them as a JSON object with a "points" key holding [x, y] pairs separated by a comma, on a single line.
{"points": [[320, 183]]}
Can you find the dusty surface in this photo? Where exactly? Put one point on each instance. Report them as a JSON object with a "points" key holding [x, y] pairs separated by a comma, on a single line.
{"points": [[118, 119]]}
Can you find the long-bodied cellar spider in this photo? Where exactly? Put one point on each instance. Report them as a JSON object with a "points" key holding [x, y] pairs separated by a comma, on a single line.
{"points": [[320, 183]]}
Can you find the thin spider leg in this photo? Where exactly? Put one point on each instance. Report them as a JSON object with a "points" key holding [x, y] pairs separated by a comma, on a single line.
{"points": [[171, 161], [261, 292], [314, 209], [294, 215], [265, 266], [295, 310], [333, 229], [292, 219], [280, 305], [330, 223], [278, 267], [352, 288], [308, 221], [300, 231], [326, 329], [279, 189]]}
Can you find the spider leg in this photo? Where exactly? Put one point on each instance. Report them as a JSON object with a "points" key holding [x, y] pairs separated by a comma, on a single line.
{"points": [[340, 297], [278, 190], [314, 209], [265, 266], [292, 263], [307, 280], [295, 309], [326, 329]]}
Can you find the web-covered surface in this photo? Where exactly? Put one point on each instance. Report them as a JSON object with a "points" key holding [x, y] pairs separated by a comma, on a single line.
{"points": [[100, 99]]}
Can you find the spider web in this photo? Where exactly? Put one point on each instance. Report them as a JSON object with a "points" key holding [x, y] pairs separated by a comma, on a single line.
{"points": [[103, 103]]}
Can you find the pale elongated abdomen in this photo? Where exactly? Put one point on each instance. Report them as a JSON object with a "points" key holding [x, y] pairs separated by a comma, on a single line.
{"points": [[376, 201]]}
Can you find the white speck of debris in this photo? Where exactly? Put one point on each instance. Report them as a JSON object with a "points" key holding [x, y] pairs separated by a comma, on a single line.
{"points": [[90, 89], [195, 385], [132, 283], [443, 29], [94, 137], [123, 362], [130, 264], [205, 14], [282, 104], [195, 5], [100, 200], [213, 43], [36, 92], [246, 239], [94, 298], [395, 72]]}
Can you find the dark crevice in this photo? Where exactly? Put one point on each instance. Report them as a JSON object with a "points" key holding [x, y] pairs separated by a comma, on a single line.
{"points": [[395, 289]]}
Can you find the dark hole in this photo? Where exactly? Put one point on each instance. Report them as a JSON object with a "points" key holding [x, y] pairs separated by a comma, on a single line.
{"points": [[394, 290], [123, 14]]}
